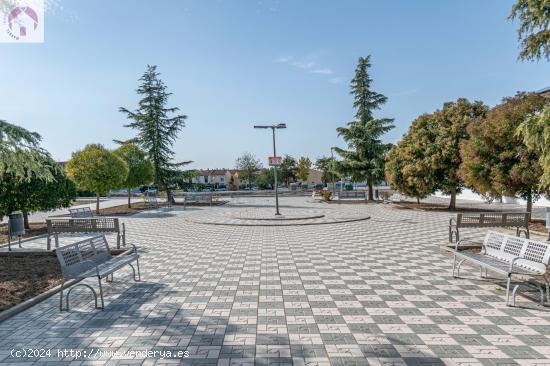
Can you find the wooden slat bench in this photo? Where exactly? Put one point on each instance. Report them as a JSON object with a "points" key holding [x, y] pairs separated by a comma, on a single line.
{"points": [[508, 255], [92, 258], [89, 225], [197, 197], [519, 220]]}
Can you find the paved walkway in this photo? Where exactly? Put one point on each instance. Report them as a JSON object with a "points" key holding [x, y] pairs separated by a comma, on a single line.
{"points": [[374, 292]]}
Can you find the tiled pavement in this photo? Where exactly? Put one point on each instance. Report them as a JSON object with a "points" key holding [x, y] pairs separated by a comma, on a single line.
{"points": [[373, 292]]}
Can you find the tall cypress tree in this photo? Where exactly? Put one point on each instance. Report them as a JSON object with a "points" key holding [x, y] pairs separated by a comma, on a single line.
{"points": [[364, 158], [158, 126]]}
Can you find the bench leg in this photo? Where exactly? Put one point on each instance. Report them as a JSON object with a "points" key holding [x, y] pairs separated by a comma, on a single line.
{"points": [[61, 297], [69, 293], [453, 233], [513, 296], [134, 270], [100, 293], [547, 289], [508, 288], [458, 268]]}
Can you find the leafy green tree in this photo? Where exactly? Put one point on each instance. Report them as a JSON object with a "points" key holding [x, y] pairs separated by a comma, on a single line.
{"points": [[157, 127], [264, 180], [326, 166], [36, 194], [535, 134], [97, 169], [248, 165], [496, 160], [534, 28], [451, 123], [408, 164], [288, 169], [21, 156], [303, 167], [140, 169], [366, 152]]}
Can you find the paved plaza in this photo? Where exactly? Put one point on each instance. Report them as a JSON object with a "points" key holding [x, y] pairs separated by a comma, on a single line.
{"points": [[375, 291]]}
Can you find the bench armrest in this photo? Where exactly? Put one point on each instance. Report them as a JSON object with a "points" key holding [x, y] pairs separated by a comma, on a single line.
{"points": [[511, 269]]}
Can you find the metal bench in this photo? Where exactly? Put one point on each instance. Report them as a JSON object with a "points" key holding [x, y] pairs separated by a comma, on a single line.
{"points": [[351, 194], [93, 225], [81, 212], [197, 197], [92, 258], [508, 255], [519, 220], [152, 201]]}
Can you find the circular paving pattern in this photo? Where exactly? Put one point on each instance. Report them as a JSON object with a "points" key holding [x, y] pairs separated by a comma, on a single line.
{"points": [[267, 217]]}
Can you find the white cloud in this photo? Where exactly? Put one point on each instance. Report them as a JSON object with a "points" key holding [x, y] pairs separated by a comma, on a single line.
{"points": [[310, 65], [283, 60], [323, 71]]}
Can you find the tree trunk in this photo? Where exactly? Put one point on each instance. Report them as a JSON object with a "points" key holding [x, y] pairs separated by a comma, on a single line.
{"points": [[129, 198], [97, 204], [530, 202], [371, 196], [452, 204], [418, 200], [26, 220]]}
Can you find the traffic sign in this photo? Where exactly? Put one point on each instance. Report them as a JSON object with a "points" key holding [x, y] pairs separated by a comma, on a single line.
{"points": [[275, 160]]}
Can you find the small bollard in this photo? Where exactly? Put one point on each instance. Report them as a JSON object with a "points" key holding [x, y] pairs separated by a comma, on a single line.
{"points": [[548, 221]]}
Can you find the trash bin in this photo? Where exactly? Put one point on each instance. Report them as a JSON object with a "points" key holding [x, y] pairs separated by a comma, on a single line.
{"points": [[16, 227]]}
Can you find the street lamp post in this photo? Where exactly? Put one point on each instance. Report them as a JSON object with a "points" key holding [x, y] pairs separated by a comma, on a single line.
{"points": [[332, 172], [273, 128]]}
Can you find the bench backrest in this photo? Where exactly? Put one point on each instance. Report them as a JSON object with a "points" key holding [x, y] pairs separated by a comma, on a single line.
{"points": [[198, 197], [81, 212], [96, 224], [492, 219], [82, 256], [351, 194], [535, 255]]}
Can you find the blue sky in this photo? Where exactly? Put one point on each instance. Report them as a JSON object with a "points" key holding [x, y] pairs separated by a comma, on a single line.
{"points": [[234, 63]]}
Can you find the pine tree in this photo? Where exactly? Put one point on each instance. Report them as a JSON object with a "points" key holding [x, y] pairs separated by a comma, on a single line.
{"points": [[157, 127], [365, 157]]}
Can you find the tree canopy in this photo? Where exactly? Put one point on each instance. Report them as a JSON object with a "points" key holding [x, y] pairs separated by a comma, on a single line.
{"points": [[36, 194], [248, 166], [533, 31], [97, 169], [327, 166], [303, 167], [21, 156], [452, 129], [288, 169], [409, 165], [364, 158], [158, 126], [140, 169], [535, 134]]}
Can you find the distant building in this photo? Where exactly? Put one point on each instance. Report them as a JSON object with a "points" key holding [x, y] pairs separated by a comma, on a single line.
{"points": [[544, 92], [218, 177]]}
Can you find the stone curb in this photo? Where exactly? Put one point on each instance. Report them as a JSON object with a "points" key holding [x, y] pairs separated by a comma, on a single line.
{"points": [[342, 221], [14, 310]]}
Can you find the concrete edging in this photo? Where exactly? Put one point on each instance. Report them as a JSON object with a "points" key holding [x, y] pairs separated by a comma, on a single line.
{"points": [[14, 310]]}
